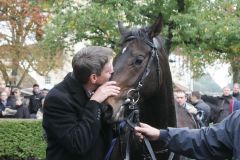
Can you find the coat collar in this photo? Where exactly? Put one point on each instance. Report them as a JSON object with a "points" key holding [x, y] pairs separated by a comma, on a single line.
{"points": [[72, 83], [76, 89]]}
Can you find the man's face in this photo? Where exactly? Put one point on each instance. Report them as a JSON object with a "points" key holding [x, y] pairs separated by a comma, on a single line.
{"points": [[36, 90], [194, 99], [106, 73], [4, 96], [181, 98], [44, 93], [236, 88], [226, 91]]}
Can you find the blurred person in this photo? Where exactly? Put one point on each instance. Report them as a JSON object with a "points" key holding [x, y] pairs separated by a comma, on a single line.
{"points": [[44, 93], [181, 100], [16, 92], [185, 114], [22, 110], [202, 107], [14, 95], [74, 117], [229, 103], [5, 102], [236, 91], [6, 106], [222, 106], [2, 85], [35, 101]]}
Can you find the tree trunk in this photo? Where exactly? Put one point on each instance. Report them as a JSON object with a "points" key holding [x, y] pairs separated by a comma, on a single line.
{"points": [[181, 5], [236, 69], [25, 71]]}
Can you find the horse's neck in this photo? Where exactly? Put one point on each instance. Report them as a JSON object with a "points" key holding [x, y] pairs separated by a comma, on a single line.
{"points": [[153, 112]]}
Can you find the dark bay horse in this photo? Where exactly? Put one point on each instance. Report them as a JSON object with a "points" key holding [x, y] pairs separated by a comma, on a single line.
{"points": [[220, 106], [142, 68]]}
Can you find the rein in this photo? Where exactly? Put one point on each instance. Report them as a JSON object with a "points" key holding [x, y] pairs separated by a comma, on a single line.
{"points": [[132, 121]]}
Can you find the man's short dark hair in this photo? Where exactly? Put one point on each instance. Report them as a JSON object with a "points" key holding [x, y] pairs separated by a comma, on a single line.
{"points": [[90, 60], [196, 94], [35, 85]]}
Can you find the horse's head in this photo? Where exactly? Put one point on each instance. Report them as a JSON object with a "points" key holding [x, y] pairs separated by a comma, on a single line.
{"points": [[137, 66]]}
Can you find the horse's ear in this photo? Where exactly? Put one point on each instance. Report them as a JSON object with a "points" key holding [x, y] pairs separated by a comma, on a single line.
{"points": [[121, 28], [156, 28]]}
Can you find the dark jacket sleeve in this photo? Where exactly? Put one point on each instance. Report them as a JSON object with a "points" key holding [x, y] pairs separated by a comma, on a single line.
{"points": [[214, 142], [236, 105], [76, 132]]}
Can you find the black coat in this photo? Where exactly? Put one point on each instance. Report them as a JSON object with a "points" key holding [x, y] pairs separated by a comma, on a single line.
{"points": [[22, 112], [236, 95], [73, 124], [35, 102], [220, 141], [9, 105], [202, 106], [2, 108]]}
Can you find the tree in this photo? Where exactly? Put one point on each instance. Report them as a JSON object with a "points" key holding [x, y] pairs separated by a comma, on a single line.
{"points": [[94, 22], [205, 30], [21, 28], [209, 30]]}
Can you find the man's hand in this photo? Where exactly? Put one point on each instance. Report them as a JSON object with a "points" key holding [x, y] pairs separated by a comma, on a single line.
{"points": [[9, 112], [192, 110], [106, 90], [148, 131]]}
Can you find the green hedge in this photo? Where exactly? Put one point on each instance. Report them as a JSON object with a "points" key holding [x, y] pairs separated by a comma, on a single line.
{"points": [[21, 140]]}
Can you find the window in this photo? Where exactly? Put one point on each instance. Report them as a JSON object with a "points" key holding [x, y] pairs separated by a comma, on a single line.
{"points": [[47, 80]]}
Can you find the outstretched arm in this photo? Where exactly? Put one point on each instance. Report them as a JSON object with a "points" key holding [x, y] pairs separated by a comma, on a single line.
{"points": [[214, 142]]}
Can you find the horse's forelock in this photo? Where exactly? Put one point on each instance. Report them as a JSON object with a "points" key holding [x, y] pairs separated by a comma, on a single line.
{"points": [[138, 33]]}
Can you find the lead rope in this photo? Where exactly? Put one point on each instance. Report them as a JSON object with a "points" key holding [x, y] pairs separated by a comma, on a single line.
{"points": [[133, 121]]}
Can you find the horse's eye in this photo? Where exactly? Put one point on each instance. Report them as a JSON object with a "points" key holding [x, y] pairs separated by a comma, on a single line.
{"points": [[138, 61]]}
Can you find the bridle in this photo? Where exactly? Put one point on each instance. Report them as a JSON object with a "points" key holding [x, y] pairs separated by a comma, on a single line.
{"points": [[133, 95], [154, 54]]}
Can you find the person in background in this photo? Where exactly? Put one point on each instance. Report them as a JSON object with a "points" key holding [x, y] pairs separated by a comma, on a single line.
{"points": [[2, 85], [16, 92], [35, 101], [181, 100], [6, 106], [230, 103], [203, 109], [22, 110], [74, 117], [222, 106], [220, 141], [44, 93], [236, 91], [14, 95]]}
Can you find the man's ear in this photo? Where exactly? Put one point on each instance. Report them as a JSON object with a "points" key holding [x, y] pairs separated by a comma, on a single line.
{"points": [[93, 78]]}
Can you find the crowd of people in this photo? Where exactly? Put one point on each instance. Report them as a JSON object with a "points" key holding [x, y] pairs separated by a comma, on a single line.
{"points": [[203, 105], [216, 141], [15, 105]]}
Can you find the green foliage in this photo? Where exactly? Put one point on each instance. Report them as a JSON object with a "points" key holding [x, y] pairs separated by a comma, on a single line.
{"points": [[208, 30], [21, 139], [205, 30]]}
